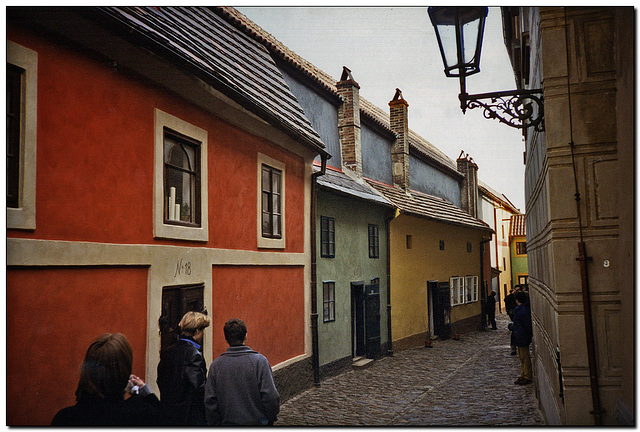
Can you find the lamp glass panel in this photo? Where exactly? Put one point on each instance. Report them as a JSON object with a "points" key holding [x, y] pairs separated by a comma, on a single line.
{"points": [[449, 47], [470, 41]]}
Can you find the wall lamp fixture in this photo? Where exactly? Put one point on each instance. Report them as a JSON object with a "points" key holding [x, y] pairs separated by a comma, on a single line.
{"points": [[459, 31]]}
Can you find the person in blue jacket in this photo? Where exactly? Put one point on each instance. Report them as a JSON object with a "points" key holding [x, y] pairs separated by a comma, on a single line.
{"points": [[240, 389], [521, 336]]}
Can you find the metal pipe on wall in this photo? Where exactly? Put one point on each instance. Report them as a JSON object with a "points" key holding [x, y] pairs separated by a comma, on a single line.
{"points": [[315, 358]]}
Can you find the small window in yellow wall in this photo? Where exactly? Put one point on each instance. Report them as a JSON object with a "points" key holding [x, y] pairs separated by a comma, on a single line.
{"points": [[521, 248], [456, 285], [471, 288]]}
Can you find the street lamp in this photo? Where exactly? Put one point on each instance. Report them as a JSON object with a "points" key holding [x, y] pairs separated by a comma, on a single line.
{"points": [[459, 31]]}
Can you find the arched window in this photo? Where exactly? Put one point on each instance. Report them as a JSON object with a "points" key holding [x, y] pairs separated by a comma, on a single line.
{"points": [[181, 179]]}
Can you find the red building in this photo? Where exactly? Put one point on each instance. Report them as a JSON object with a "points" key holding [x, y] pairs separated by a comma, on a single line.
{"points": [[157, 164]]}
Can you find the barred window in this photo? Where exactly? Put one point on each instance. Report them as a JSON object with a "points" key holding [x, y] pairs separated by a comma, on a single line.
{"points": [[327, 237], [374, 241], [329, 301], [271, 202], [521, 248]]}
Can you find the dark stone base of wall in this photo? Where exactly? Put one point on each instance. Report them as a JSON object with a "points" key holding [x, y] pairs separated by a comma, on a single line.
{"points": [[468, 325], [335, 367], [413, 341], [297, 377], [293, 379]]}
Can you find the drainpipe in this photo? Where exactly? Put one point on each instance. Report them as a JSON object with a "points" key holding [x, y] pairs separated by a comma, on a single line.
{"points": [[483, 304], [388, 228], [314, 283]]}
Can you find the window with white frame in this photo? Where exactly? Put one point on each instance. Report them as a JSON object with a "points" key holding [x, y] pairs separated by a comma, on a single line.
{"points": [[21, 122], [471, 288], [180, 174], [463, 290], [456, 285], [271, 203]]}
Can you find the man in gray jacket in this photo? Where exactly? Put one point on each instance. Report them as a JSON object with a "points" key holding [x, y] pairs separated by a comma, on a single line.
{"points": [[240, 388]]}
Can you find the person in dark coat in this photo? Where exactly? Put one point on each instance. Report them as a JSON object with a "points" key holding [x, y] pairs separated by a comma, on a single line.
{"points": [[491, 310], [510, 303], [105, 377], [182, 373], [522, 333]]}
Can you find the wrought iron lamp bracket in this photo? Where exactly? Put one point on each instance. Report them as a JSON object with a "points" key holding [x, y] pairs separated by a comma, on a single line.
{"points": [[517, 108]]}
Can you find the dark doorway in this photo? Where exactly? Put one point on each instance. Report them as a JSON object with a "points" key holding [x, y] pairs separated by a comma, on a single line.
{"points": [[176, 301], [441, 304], [372, 317], [357, 319]]}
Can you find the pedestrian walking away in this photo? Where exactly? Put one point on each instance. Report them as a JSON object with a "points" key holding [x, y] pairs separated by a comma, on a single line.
{"points": [[522, 334], [491, 310], [182, 373], [105, 377], [240, 389]]}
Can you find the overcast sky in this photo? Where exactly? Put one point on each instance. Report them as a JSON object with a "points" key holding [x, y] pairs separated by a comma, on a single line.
{"points": [[395, 47]]}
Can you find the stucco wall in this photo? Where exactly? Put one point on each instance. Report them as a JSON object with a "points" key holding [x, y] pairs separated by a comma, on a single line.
{"points": [[376, 156], [581, 51], [53, 315], [269, 299], [321, 113], [427, 179], [351, 264], [519, 263]]}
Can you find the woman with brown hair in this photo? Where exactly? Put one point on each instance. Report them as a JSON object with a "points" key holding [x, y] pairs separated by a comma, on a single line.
{"points": [[105, 377]]}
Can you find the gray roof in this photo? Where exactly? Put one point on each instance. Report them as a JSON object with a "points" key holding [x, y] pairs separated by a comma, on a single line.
{"points": [[429, 207], [222, 56], [341, 183]]}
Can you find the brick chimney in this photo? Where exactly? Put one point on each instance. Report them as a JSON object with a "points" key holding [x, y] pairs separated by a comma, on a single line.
{"points": [[469, 187], [399, 119], [349, 122]]}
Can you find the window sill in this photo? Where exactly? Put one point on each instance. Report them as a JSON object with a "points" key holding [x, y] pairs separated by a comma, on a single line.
{"points": [[179, 232]]}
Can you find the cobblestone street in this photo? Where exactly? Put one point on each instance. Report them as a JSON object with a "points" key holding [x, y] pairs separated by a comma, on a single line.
{"points": [[465, 382]]}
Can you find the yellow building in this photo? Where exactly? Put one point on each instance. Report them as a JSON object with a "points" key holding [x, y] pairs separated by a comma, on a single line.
{"points": [[435, 267]]}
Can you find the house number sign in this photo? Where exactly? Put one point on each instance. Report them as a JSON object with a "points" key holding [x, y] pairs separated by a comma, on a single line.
{"points": [[182, 267]]}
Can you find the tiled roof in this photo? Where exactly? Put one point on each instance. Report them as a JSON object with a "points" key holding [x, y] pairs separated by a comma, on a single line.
{"points": [[225, 58], [342, 183], [428, 206], [372, 112], [518, 227]]}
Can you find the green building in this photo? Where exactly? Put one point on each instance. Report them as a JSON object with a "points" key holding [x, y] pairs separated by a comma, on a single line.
{"points": [[518, 248]]}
